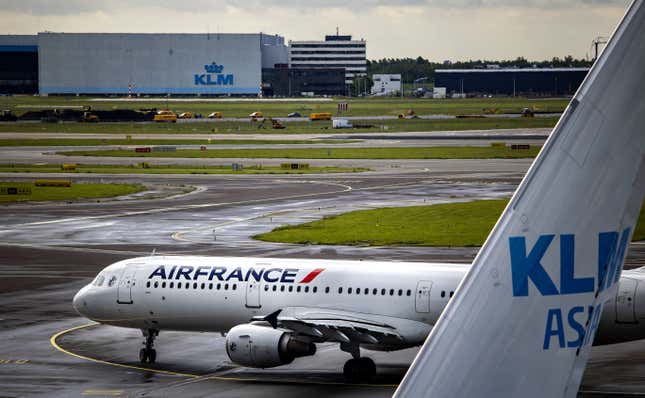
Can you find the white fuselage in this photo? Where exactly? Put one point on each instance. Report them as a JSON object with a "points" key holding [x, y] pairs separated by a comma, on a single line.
{"points": [[190, 293]]}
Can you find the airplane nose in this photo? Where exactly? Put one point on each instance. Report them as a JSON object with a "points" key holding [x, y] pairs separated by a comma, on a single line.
{"points": [[79, 302]]}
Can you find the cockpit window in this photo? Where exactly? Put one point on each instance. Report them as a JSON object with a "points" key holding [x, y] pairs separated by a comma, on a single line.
{"points": [[99, 280], [112, 281]]}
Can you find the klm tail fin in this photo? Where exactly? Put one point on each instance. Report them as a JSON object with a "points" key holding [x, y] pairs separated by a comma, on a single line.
{"points": [[524, 318]]}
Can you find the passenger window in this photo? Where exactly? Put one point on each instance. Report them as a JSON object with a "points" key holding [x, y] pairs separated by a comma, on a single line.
{"points": [[400, 292], [195, 285], [298, 289], [235, 286], [226, 286], [408, 293], [451, 293], [382, 292], [156, 285], [290, 289], [282, 288], [306, 289], [275, 288], [210, 286], [178, 285], [148, 284], [443, 293], [374, 292], [340, 290], [366, 291], [112, 281], [391, 292], [219, 286], [358, 290], [349, 290], [315, 289], [187, 285], [163, 285], [172, 284], [203, 285], [266, 288], [327, 289]]}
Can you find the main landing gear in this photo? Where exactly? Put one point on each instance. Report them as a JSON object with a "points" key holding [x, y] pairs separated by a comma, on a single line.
{"points": [[358, 369], [148, 354]]}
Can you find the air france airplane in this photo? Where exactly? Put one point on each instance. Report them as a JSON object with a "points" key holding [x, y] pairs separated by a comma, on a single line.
{"points": [[275, 310]]}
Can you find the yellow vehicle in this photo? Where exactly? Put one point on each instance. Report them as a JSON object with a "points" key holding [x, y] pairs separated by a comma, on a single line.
{"points": [[166, 115], [215, 115], [186, 115], [320, 116], [255, 115]]}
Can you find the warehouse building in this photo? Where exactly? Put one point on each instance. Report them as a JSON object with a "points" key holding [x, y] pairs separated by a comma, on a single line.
{"points": [[336, 51], [133, 63], [137, 64], [386, 84], [511, 81], [289, 82], [18, 64]]}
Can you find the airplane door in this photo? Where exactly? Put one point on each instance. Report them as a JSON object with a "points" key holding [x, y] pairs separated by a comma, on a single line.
{"points": [[124, 288], [253, 294], [625, 296], [422, 302]]}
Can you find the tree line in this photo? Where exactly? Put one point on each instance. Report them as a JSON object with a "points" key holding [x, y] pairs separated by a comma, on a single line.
{"points": [[415, 68]]}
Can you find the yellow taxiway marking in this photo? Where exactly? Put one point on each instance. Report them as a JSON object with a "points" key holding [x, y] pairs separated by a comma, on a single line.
{"points": [[13, 361], [112, 393], [53, 341]]}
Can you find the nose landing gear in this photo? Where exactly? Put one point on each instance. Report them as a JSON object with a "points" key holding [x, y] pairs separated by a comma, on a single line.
{"points": [[148, 354]]}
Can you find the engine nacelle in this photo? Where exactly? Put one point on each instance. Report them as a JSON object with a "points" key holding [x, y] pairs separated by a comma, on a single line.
{"points": [[263, 347]]}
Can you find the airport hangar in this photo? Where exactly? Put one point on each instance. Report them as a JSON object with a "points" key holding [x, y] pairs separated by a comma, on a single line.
{"points": [[511, 81], [159, 64]]}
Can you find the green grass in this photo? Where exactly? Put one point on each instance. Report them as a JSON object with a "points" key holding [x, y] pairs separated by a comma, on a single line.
{"points": [[154, 142], [439, 152], [171, 169], [357, 107], [76, 191], [318, 127], [453, 224]]}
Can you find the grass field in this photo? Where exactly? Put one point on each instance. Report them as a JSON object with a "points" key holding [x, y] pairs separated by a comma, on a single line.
{"points": [[439, 152], [318, 127], [148, 142], [357, 107], [172, 169], [76, 191], [454, 224]]}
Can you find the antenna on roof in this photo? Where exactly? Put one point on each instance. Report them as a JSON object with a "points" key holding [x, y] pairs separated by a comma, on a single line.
{"points": [[337, 34], [154, 251]]}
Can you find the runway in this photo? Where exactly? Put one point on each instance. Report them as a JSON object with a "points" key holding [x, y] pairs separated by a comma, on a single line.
{"points": [[48, 251]]}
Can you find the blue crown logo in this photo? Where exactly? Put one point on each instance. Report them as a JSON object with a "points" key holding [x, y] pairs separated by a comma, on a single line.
{"points": [[214, 68]]}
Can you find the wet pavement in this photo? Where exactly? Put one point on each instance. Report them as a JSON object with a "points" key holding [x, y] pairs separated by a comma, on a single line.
{"points": [[48, 251]]}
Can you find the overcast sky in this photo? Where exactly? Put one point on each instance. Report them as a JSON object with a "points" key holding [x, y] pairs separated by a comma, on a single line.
{"points": [[435, 29]]}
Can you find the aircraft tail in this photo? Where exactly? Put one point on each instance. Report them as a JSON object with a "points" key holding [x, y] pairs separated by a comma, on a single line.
{"points": [[524, 318]]}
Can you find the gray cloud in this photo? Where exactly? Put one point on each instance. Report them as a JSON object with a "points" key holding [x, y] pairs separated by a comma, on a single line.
{"points": [[72, 7]]}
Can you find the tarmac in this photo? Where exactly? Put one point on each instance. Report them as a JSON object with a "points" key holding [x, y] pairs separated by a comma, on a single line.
{"points": [[50, 250]]}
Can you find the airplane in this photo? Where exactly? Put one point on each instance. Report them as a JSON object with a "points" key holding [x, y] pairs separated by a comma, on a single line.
{"points": [[571, 217], [275, 310], [557, 251]]}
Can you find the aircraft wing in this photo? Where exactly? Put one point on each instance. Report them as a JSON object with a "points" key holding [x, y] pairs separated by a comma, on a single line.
{"points": [[323, 325]]}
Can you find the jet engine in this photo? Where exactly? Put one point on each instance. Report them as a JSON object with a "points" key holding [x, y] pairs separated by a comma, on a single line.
{"points": [[264, 347]]}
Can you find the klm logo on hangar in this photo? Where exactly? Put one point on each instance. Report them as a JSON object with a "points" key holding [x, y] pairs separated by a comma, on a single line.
{"points": [[214, 76]]}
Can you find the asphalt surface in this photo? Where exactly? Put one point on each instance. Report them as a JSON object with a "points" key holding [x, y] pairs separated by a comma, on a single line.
{"points": [[49, 250]]}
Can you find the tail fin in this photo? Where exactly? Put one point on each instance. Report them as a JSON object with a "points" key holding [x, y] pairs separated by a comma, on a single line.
{"points": [[524, 317]]}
